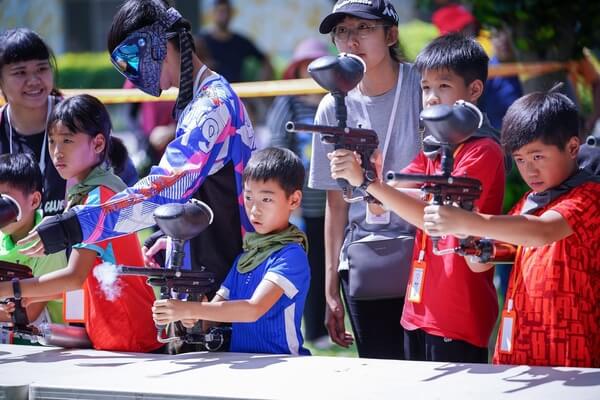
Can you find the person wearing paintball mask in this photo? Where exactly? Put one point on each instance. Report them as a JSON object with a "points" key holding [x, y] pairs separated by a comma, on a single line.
{"points": [[151, 45]]}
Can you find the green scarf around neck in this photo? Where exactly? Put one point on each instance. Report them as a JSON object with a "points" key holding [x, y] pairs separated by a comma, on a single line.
{"points": [[257, 247], [101, 175]]}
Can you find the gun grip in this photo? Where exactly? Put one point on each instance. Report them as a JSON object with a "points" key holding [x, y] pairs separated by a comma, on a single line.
{"points": [[19, 316]]}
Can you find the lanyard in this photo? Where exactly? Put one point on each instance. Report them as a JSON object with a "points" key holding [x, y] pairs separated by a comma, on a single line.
{"points": [[44, 143], [518, 278], [392, 116]]}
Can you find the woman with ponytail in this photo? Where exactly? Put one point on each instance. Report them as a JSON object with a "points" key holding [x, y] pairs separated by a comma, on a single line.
{"points": [[151, 45]]}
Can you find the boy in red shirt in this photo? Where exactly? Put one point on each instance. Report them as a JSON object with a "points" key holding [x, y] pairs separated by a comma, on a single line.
{"points": [[452, 318], [551, 315]]}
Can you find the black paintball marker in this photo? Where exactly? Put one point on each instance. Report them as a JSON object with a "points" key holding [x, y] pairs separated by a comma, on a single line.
{"points": [[46, 334], [338, 75], [593, 140], [12, 272], [181, 222], [451, 126]]}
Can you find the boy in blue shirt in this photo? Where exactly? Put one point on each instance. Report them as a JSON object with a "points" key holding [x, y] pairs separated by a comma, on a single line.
{"points": [[264, 293]]}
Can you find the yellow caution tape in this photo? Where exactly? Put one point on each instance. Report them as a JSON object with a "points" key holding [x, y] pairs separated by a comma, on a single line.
{"points": [[292, 86]]}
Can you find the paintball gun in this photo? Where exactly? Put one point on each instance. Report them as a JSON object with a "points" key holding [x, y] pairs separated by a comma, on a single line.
{"points": [[46, 334], [451, 126], [14, 272], [181, 222], [593, 140], [10, 211], [338, 75]]}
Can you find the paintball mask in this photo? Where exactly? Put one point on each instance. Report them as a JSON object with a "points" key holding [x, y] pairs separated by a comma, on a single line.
{"points": [[10, 211], [140, 56]]}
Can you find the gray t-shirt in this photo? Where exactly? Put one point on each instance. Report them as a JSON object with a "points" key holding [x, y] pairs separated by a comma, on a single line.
{"points": [[403, 147]]}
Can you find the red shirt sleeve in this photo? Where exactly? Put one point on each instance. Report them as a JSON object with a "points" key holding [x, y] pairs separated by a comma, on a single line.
{"points": [[581, 209], [483, 159], [416, 166]]}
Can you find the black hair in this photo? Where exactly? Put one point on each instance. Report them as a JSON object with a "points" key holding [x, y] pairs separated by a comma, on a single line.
{"points": [[396, 49], [278, 164], [22, 44], [21, 171], [455, 52], [136, 14], [550, 117], [86, 114], [222, 3]]}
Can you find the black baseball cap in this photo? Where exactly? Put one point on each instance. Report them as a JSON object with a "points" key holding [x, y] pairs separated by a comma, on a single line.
{"points": [[365, 9]]}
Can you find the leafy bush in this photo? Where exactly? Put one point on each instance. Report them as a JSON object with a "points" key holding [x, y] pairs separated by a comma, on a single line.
{"points": [[87, 71], [415, 35]]}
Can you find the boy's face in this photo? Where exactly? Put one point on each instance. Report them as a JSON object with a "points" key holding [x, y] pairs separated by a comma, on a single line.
{"points": [[28, 203], [543, 166], [444, 86], [267, 205]]}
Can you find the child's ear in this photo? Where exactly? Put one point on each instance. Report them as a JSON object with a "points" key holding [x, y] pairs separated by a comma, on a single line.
{"points": [[475, 90], [295, 199], [572, 147], [36, 199], [99, 143]]}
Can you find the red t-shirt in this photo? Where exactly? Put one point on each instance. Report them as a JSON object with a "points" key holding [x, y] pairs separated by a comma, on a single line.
{"points": [[557, 299], [456, 302], [125, 322]]}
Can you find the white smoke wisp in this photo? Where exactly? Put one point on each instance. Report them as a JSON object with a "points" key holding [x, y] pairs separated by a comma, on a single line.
{"points": [[106, 274]]}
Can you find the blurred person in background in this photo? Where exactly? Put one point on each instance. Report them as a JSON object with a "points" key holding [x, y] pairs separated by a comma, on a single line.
{"points": [[302, 109], [230, 50]]}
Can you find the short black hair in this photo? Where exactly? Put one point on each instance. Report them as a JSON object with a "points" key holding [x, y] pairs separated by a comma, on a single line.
{"points": [[455, 52], [23, 44], [547, 116], [86, 114], [21, 171], [278, 164], [136, 14]]}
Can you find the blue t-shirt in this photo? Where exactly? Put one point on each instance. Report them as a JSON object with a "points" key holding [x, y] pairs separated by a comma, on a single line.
{"points": [[498, 95], [278, 330]]}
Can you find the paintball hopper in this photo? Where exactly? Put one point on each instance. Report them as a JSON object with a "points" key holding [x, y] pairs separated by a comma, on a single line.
{"points": [[337, 74], [593, 140], [452, 124], [10, 211], [183, 221]]}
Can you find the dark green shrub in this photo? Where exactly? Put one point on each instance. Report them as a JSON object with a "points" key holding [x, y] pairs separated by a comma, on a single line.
{"points": [[87, 71]]}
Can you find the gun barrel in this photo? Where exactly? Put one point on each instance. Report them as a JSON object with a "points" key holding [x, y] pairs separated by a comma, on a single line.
{"points": [[592, 141], [164, 273], [457, 181], [9, 270], [64, 336], [291, 126]]}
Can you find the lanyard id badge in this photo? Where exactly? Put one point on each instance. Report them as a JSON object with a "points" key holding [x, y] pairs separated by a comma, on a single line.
{"points": [[417, 278], [417, 274], [508, 324], [507, 331]]}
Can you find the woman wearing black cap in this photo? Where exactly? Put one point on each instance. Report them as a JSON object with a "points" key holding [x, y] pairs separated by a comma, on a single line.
{"points": [[387, 100]]}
